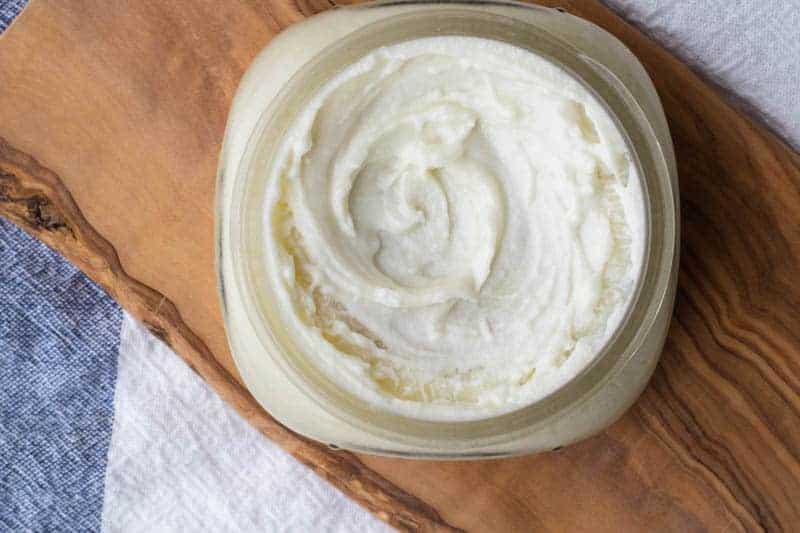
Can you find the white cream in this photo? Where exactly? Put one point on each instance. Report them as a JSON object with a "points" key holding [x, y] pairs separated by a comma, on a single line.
{"points": [[455, 228]]}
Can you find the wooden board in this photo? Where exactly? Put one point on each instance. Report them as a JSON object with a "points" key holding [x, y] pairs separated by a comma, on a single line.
{"points": [[111, 115]]}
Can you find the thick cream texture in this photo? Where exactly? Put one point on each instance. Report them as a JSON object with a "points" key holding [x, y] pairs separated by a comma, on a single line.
{"points": [[456, 228]]}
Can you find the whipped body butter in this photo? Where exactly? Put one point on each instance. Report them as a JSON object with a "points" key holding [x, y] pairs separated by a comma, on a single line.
{"points": [[446, 230]]}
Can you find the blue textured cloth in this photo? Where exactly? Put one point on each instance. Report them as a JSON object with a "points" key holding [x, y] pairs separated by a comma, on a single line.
{"points": [[59, 335], [8, 10]]}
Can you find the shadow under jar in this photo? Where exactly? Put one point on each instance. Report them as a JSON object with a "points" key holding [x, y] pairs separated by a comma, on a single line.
{"points": [[277, 363]]}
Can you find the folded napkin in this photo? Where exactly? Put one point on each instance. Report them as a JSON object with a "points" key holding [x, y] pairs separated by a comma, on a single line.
{"points": [[103, 426]]}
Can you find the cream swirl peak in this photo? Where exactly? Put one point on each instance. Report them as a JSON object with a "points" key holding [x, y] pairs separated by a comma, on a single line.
{"points": [[455, 228]]}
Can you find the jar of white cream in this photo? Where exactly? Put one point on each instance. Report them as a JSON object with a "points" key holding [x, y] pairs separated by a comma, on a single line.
{"points": [[446, 229]]}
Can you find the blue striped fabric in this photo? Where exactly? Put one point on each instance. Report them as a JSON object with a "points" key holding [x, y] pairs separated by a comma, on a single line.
{"points": [[59, 335]]}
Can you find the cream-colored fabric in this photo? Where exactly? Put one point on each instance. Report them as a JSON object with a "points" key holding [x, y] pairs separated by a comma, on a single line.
{"points": [[181, 459], [750, 48]]}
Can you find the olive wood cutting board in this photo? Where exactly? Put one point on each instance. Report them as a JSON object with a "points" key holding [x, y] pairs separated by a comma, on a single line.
{"points": [[111, 118]]}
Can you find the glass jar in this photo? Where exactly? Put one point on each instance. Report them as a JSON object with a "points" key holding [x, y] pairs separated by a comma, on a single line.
{"points": [[284, 76]]}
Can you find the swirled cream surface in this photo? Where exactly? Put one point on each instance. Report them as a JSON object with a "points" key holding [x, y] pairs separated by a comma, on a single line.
{"points": [[455, 228]]}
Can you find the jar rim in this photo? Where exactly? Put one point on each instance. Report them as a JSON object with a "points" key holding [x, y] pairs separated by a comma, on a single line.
{"points": [[247, 225]]}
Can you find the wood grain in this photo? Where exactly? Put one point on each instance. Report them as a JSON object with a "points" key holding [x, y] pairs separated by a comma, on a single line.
{"points": [[125, 105]]}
